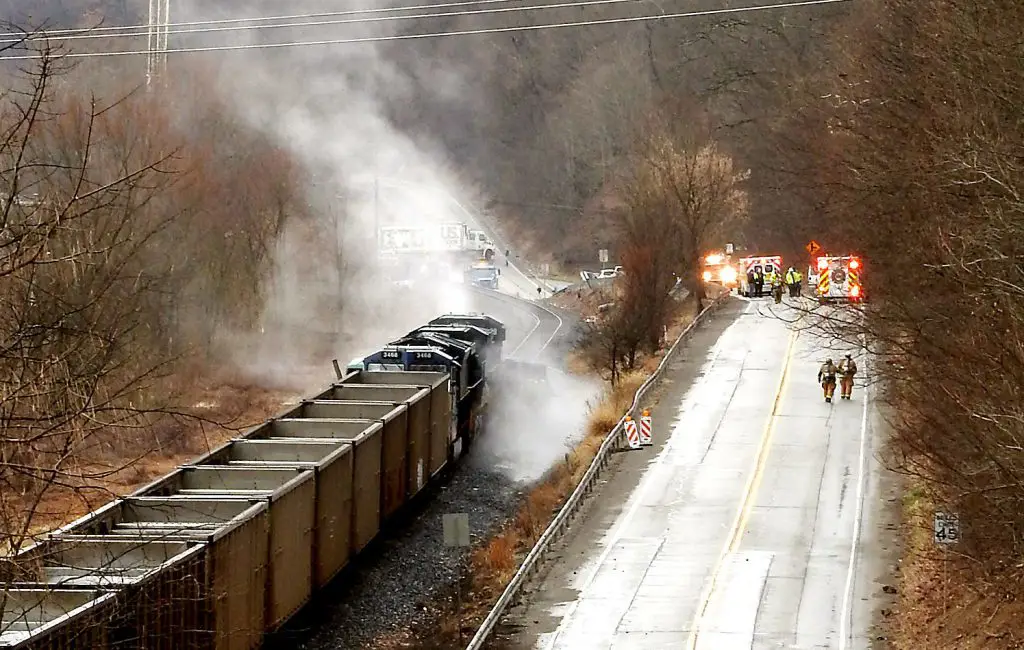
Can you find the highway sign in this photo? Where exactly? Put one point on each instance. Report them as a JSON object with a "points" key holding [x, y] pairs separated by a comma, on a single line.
{"points": [[813, 248], [946, 528], [602, 256], [728, 249]]}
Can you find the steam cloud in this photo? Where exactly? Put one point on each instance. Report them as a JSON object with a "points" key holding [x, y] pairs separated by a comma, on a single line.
{"points": [[328, 105], [328, 297], [533, 426]]}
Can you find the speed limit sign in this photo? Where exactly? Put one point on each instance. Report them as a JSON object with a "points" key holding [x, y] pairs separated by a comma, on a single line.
{"points": [[946, 529]]}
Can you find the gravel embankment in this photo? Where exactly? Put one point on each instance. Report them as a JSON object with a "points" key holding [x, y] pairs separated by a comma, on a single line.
{"points": [[388, 587]]}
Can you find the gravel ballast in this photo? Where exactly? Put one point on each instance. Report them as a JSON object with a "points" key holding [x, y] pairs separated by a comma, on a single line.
{"points": [[389, 586]]}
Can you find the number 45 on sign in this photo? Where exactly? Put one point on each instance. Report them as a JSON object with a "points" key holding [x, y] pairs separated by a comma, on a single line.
{"points": [[947, 528]]}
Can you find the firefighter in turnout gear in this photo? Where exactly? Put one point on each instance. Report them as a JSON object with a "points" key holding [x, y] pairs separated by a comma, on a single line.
{"points": [[827, 378], [847, 370], [776, 285]]}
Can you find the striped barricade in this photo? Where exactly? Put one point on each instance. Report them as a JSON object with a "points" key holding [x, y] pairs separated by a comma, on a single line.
{"points": [[646, 439], [632, 435]]}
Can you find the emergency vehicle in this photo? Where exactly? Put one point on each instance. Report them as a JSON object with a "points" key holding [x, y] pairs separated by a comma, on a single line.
{"points": [[483, 274], [837, 278], [718, 268], [764, 264]]}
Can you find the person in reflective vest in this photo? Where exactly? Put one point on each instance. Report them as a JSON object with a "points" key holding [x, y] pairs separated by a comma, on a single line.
{"points": [[792, 282], [847, 370], [774, 280], [827, 378]]}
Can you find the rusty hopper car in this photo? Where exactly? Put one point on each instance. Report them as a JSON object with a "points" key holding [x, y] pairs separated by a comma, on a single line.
{"points": [[228, 547]]}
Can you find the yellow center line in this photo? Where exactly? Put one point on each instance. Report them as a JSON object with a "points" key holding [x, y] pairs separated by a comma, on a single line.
{"points": [[739, 525]]}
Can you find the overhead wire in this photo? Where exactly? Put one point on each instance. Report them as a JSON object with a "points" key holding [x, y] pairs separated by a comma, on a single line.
{"points": [[440, 34], [69, 32], [347, 21]]}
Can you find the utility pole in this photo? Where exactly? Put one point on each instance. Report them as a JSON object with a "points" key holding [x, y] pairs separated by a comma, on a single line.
{"points": [[156, 39]]}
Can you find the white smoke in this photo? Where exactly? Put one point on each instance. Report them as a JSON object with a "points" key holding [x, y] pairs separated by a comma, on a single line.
{"points": [[328, 106], [533, 428]]}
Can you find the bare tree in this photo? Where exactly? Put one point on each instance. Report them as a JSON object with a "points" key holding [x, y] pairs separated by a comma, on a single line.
{"points": [[683, 197], [914, 135], [603, 343], [79, 329]]}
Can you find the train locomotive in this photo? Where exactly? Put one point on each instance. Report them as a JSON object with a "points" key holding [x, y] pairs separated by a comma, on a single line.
{"points": [[228, 547]]}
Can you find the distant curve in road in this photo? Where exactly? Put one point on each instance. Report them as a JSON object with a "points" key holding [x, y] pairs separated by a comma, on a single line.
{"points": [[546, 324]]}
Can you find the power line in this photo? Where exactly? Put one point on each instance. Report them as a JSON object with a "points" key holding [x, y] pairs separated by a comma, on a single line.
{"points": [[320, 23], [44, 34], [427, 35]]}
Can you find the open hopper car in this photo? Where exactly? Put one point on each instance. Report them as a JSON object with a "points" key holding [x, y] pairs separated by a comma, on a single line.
{"points": [[228, 547]]}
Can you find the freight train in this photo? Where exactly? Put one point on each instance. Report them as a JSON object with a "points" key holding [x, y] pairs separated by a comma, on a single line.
{"points": [[226, 548]]}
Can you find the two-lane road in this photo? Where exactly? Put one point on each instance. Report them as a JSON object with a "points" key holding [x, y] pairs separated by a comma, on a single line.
{"points": [[745, 529]]}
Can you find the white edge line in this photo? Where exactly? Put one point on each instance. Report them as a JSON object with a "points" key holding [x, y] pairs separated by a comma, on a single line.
{"points": [[558, 327], [528, 334], [845, 630], [526, 277], [532, 307], [494, 238]]}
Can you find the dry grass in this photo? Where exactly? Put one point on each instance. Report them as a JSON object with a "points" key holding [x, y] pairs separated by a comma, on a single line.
{"points": [[576, 364], [940, 606], [607, 412], [222, 399]]}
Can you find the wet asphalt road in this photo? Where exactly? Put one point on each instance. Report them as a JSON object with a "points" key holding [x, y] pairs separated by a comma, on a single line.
{"points": [[754, 522]]}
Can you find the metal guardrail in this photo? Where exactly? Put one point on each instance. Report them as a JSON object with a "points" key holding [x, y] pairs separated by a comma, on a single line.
{"points": [[613, 441]]}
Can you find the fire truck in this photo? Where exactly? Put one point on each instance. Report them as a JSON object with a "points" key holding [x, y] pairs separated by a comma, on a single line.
{"points": [[718, 268], [837, 279], [764, 264]]}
